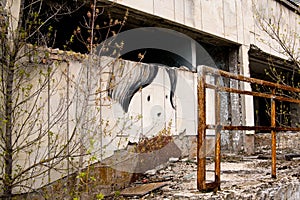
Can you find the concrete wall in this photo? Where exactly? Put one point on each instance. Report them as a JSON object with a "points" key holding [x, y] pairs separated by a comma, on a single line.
{"points": [[130, 116], [107, 122], [106, 105], [237, 21]]}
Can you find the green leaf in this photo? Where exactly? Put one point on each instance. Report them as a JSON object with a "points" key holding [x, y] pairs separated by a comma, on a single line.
{"points": [[100, 196]]}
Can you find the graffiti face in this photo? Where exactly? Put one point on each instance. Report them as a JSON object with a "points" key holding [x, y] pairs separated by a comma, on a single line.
{"points": [[142, 95], [156, 104], [148, 106]]}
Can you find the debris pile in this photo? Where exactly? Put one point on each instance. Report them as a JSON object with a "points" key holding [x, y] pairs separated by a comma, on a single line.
{"points": [[241, 178]]}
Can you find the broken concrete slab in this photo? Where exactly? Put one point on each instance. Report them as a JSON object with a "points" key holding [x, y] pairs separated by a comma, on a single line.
{"points": [[143, 189], [135, 162]]}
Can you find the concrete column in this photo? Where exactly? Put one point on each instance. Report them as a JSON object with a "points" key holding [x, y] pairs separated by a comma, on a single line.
{"points": [[247, 101], [235, 137]]}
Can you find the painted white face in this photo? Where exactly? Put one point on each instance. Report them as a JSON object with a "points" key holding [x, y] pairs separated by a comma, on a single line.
{"points": [[152, 105], [150, 110]]}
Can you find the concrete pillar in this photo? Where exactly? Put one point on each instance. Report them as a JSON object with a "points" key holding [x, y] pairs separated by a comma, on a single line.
{"points": [[235, 137], [247, 101]]}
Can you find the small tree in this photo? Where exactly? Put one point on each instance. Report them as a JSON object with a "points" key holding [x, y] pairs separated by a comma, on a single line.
{"points": [[284, 38], [38, 93], [284, 41]]}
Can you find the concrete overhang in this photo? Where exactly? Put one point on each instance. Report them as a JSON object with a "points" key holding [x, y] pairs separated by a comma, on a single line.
{"points": [[139, 18]]}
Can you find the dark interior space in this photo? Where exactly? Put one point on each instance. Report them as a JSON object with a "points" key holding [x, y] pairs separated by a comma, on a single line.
{"points": [[273, 69], [67, 24], [158, 56]]}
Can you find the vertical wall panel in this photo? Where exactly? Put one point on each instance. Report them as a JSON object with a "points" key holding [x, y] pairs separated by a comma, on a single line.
{"points": [[212, 16], [240, 21], [186, 102], [189, 10], [230, 20], [179, 11], [164, 8], [198, 14], [248, 22]]}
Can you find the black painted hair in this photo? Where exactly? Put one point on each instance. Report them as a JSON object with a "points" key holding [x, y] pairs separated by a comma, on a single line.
{"points": [[130, 78]]}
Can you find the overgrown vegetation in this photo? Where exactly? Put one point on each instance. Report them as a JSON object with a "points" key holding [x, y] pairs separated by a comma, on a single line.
{"points": [[281, 28], [41, 136]]}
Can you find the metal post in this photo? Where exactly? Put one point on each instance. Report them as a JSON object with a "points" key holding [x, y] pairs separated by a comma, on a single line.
{"points": [[217, 136], [202, 126], [201, 145], [273, 133]]}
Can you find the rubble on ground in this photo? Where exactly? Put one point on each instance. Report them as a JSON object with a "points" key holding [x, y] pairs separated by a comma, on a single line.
{"points": [[241, 178]]}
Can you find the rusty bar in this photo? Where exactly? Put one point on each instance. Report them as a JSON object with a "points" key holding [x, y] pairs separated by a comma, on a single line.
{"points": [[257, 94], [253, 128], [250, 80], [201, 144], [273, 133], [218, 137], [202, 126]]}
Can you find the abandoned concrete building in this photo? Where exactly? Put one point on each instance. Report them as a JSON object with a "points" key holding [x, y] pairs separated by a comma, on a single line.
{"points": [[134, 110]]}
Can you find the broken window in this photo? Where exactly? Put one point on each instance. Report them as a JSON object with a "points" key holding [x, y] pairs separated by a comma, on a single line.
{"points": [[67, 25], [266, 67]]}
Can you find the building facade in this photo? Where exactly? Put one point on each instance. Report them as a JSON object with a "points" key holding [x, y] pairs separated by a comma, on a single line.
{"points": [[122, 106]]}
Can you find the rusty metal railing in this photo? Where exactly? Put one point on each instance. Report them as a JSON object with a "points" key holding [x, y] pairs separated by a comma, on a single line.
{"points": [[202, 185]]}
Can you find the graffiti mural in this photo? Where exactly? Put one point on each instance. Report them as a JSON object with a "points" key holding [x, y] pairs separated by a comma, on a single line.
{"points": [[151, 105], [144, 94]]}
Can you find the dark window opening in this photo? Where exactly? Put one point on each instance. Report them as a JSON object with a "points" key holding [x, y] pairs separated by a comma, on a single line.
{"points": [[273, 69], [157, 56], [70, 29], [262, 109]]}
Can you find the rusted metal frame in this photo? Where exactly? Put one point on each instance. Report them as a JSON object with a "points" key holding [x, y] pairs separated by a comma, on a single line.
{"points": [[201, 143], [217, 136], [202, 126], [250, 80], [257, 94], [273, 135], [252, 128]]}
